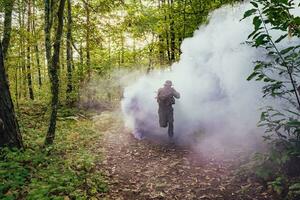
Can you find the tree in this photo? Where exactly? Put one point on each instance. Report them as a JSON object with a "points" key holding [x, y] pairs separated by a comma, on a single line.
{"points": [[29, 78], [8, 7], [9, 128], [69, 51], [53, 69], [88, 32]]}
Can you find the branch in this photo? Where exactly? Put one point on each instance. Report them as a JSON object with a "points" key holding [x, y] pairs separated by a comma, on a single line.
{"points": [[289, 70]]}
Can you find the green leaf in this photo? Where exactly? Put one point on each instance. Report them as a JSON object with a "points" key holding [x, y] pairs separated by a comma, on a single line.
{"points": [[257, 22], [261, 40], [254, 74], [294, 123], [281, 38], [297, 20], [254, 4], [258, 66], [284, 51], [249, 13]]}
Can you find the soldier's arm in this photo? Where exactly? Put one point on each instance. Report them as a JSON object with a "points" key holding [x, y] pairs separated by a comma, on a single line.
{"points": [[176, 94], [158, 92]]}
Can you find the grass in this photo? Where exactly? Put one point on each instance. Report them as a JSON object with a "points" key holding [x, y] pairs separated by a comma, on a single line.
{"points": [[66, 170]]}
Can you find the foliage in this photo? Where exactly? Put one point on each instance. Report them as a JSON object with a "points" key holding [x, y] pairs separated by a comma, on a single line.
{"points": [[274, 22], [66, 169]]}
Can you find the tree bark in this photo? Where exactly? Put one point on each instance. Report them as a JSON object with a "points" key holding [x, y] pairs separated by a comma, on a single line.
{"points": [[172, 32], [23, 74], [29, 78], [54, 75], [36, 46], [167, 31], [8, 8], [88, 56], [9, 129], [47, 30], [161, 41], [69, 52]]}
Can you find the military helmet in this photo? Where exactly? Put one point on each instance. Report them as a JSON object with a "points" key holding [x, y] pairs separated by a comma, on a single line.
{"points": [[168, 83]]}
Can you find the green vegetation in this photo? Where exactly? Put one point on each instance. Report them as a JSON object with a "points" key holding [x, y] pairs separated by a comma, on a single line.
{"points": [[51, 50], [279, 75], [65, 170]]}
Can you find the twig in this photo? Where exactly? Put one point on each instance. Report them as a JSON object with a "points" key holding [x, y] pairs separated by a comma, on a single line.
{"points": [[280, 56]]}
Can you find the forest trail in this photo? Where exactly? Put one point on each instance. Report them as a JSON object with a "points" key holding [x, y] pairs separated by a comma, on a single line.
{"points": [[140, 169]]}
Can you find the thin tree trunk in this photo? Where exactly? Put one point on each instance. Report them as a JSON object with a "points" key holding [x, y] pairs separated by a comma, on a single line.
{"points": [[29, 78], [183, 33], [23, 73], [47, 30], [8, 8], [80, 68], [69, 52], [36, 46], [54, 76], [17, 84], [61, 64], [88, 56], [161, 40], [172, 32], [167, 33]]}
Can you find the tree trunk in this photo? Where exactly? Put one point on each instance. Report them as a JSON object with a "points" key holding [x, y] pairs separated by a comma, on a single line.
{"points": [[167, 32], [69, 52], [36, 46], [47, 30], [80, 68], [53, 74], [29, 78], [172, 32], [23, 74], [9, 128], [88, 56], [17, 84], [8, 7]]}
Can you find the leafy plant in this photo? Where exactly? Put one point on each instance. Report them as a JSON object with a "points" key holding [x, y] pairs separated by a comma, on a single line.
{"points": [[279, 69], [274, 24], [64, 170]]}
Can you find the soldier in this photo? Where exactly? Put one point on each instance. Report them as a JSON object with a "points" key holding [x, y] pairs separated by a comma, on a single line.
{"points": [[165, 100]]}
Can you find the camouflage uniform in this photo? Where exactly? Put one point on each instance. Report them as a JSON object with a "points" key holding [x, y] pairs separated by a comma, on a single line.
{"points": [[165, 99]]}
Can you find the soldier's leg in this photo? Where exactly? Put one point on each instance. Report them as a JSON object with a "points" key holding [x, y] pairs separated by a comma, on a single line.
{"points": [[162, 118], [171, 123], [171, 129]]}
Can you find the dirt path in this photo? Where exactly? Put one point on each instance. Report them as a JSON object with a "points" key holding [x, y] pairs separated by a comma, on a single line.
{"points": [[140, 169]]}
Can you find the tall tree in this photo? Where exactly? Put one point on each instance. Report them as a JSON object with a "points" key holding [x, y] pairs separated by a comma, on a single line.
{"points": [[88, 50], [9, 128], [69, 51], [47, 29], [53, 70], [8, 7], [172, 31], [36, 45], [29, 78]]}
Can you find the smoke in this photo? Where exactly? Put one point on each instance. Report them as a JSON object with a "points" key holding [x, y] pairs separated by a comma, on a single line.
{"points": [[216, 100]]}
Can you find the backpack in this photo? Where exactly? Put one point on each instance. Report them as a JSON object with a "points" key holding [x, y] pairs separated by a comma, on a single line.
{"points": [[165, 98]]}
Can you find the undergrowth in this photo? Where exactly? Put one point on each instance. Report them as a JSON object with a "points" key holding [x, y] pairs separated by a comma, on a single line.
{"points": [[66, 170]]}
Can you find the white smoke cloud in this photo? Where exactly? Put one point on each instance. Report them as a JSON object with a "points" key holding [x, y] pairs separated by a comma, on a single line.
{"points": [[211, 77]]}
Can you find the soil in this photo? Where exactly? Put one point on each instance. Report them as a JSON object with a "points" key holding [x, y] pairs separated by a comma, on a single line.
{"points": [[143, 169]]}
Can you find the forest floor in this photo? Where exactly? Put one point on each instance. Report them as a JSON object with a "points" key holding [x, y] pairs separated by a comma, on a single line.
{"points": [[141, 169]]}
